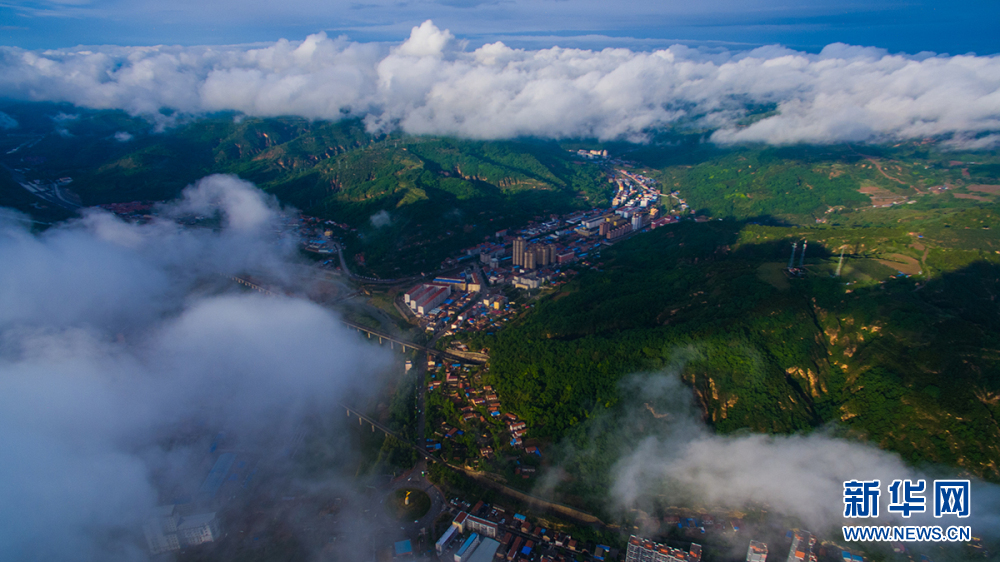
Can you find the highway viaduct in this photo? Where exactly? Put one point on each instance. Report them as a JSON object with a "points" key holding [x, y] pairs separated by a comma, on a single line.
{"points": [[382, 336]]}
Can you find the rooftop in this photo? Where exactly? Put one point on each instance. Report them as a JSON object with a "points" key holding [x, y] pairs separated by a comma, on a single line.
{"points": [[195, 521]]}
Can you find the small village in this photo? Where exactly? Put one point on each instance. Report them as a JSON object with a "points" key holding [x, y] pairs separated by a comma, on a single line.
{"points": [[470, 427]]}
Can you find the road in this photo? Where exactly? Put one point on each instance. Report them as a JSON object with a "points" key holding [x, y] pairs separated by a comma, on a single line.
{"points": [[420, 375], [363, 279], [343, 262], [49, 192], [545, 505], [415, 480]]}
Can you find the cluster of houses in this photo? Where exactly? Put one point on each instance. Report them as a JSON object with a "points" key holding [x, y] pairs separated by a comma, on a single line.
{"points": [[319, 236], [444, 304], [474, 404], [537, 253], [634, 190], [490, 533], [488, 312]]}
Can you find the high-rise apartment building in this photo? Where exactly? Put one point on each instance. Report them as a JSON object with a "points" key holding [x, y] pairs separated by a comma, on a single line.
{"points": [[529, 260], [518, 254], [802, 545]]}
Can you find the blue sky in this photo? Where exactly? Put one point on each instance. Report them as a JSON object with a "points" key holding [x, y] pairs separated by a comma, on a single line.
{"points": [[907, 26]]}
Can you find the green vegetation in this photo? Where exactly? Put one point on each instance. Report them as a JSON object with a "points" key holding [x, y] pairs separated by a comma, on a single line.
{"points": [[907, 363], [808, 184], [408, 504], [403, 421], [439, 194]]}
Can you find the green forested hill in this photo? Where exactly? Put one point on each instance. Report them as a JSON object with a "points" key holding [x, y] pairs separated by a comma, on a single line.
{"points": [[440, 194], [912, 364]]}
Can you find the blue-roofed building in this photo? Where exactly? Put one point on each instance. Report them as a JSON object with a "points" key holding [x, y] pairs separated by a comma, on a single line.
{"points": [[217, 475], [458, 281], [403, 548], [467, 548]]}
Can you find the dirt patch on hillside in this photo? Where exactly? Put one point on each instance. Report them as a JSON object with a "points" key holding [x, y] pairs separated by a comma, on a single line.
{"points": [[991, 189], [919, 247], [901, 263], [969, 196], [880, 196]]}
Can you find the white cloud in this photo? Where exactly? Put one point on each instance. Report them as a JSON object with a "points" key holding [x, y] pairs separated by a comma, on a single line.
{"points": [[429, 84], [380, 219], [113, 335], [426, 40], [802, 476], [245, 209], [968, 142]]}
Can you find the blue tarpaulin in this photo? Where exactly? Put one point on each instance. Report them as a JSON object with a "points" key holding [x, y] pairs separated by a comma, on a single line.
{"points": [[217, 475]]}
